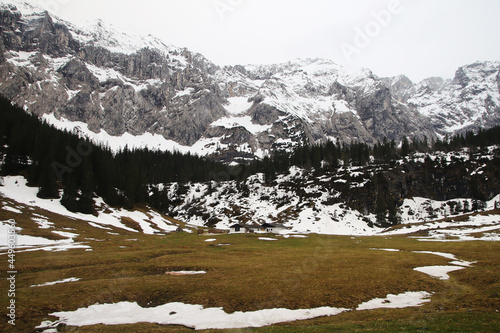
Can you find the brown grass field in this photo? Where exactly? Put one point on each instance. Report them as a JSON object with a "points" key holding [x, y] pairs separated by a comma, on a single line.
{"points": [[251, 274]]}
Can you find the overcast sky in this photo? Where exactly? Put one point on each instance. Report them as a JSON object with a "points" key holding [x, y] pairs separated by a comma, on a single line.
{"points": [[419, 38]]}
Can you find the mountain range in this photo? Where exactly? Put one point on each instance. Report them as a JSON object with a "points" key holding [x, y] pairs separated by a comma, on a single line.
{"points": [[120, 88]]}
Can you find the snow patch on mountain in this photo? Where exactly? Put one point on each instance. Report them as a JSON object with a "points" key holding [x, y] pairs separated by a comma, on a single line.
{"points": [[245, 122], [472, 98], [203, 147], [238, 105], [16, 188], [303, 89]]}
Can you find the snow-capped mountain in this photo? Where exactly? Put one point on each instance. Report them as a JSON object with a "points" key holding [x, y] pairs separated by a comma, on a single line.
{"points": [[470, 101], [123, 88]]}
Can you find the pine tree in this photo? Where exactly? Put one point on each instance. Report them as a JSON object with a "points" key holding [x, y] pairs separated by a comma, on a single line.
{"points": [[47, 180], [405, 147], [381, 209], [394, 217], [86, 202], [476, 194], [316, 159], [70, 195], [47, 183]]}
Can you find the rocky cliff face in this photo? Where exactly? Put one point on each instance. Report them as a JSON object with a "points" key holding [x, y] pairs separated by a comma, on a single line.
{"points": [[110, 80], [121, 83], [468, 102]]}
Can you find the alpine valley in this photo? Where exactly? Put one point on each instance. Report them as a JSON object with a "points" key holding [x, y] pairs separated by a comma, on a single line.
{"points": [[144, 188]]}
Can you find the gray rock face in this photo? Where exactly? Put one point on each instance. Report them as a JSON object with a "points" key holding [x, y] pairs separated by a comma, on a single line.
{"points": [[121, 83], [461, 78], [76, 76], [385, 119], [468, 102], [263, 114], [498, 81], [107, 89], [401, 87]]}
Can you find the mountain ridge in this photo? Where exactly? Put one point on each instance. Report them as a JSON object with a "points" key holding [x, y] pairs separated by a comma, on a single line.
{"points": [[120, 83]]}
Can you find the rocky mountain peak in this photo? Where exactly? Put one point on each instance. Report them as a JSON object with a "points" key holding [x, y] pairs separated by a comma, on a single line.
{"points": [[122, 83]]}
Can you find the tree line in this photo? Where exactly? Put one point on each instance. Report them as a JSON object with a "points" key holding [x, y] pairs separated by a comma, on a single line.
{"points": [[329, 156], [65, 166], [55, 161]]}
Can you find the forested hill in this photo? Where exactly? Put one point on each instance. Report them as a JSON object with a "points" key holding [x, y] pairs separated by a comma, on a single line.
{"points": [[70, 168], [53, 160]]}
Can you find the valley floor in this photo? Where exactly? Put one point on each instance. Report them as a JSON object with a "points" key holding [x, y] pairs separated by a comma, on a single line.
{"points": [[107, 274]]}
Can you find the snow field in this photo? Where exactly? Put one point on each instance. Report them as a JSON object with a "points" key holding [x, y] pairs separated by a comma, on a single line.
{"points": [[25, 243], [440, 272], [15, 188], [200, 318]]}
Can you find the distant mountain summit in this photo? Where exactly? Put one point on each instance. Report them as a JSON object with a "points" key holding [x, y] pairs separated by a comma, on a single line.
{"points": [[116, 83]]}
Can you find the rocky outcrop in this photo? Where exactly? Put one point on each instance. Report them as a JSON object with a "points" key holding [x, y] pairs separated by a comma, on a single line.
{"points": [[76, 76], [401, 87], [498, 81], [36, 33], [470, 101], [461, 78], [107, 89], [264, 114], [385, 119]]}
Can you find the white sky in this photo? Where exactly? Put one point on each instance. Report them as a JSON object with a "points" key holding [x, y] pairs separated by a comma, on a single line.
{"points": [[419, 38]]}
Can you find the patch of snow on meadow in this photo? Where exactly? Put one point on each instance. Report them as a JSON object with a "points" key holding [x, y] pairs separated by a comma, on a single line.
{"points": [[200, 318], [25, 243], [185, 273], [440, 272], [12, 209], [56, 282], [405, 300], [194, 316]]}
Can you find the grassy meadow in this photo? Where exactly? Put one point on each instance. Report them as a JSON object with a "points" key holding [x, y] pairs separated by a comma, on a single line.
{"points": [[252, 274]]}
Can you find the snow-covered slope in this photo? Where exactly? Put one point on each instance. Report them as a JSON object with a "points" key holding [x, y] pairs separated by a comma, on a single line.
{"points": [[470, 101], [344, 201], [107, 218]]}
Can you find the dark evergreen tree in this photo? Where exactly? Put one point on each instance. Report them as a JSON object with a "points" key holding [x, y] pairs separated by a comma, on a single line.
{"points": [[48, 188], [394, 218], [70, 195], [405, 147], [46, 180], [478, 202], [86, 202], [381, 209]]}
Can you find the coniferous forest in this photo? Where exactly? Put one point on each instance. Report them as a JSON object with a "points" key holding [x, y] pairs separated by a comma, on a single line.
{"points": [[53, 160], [73, 169]]}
